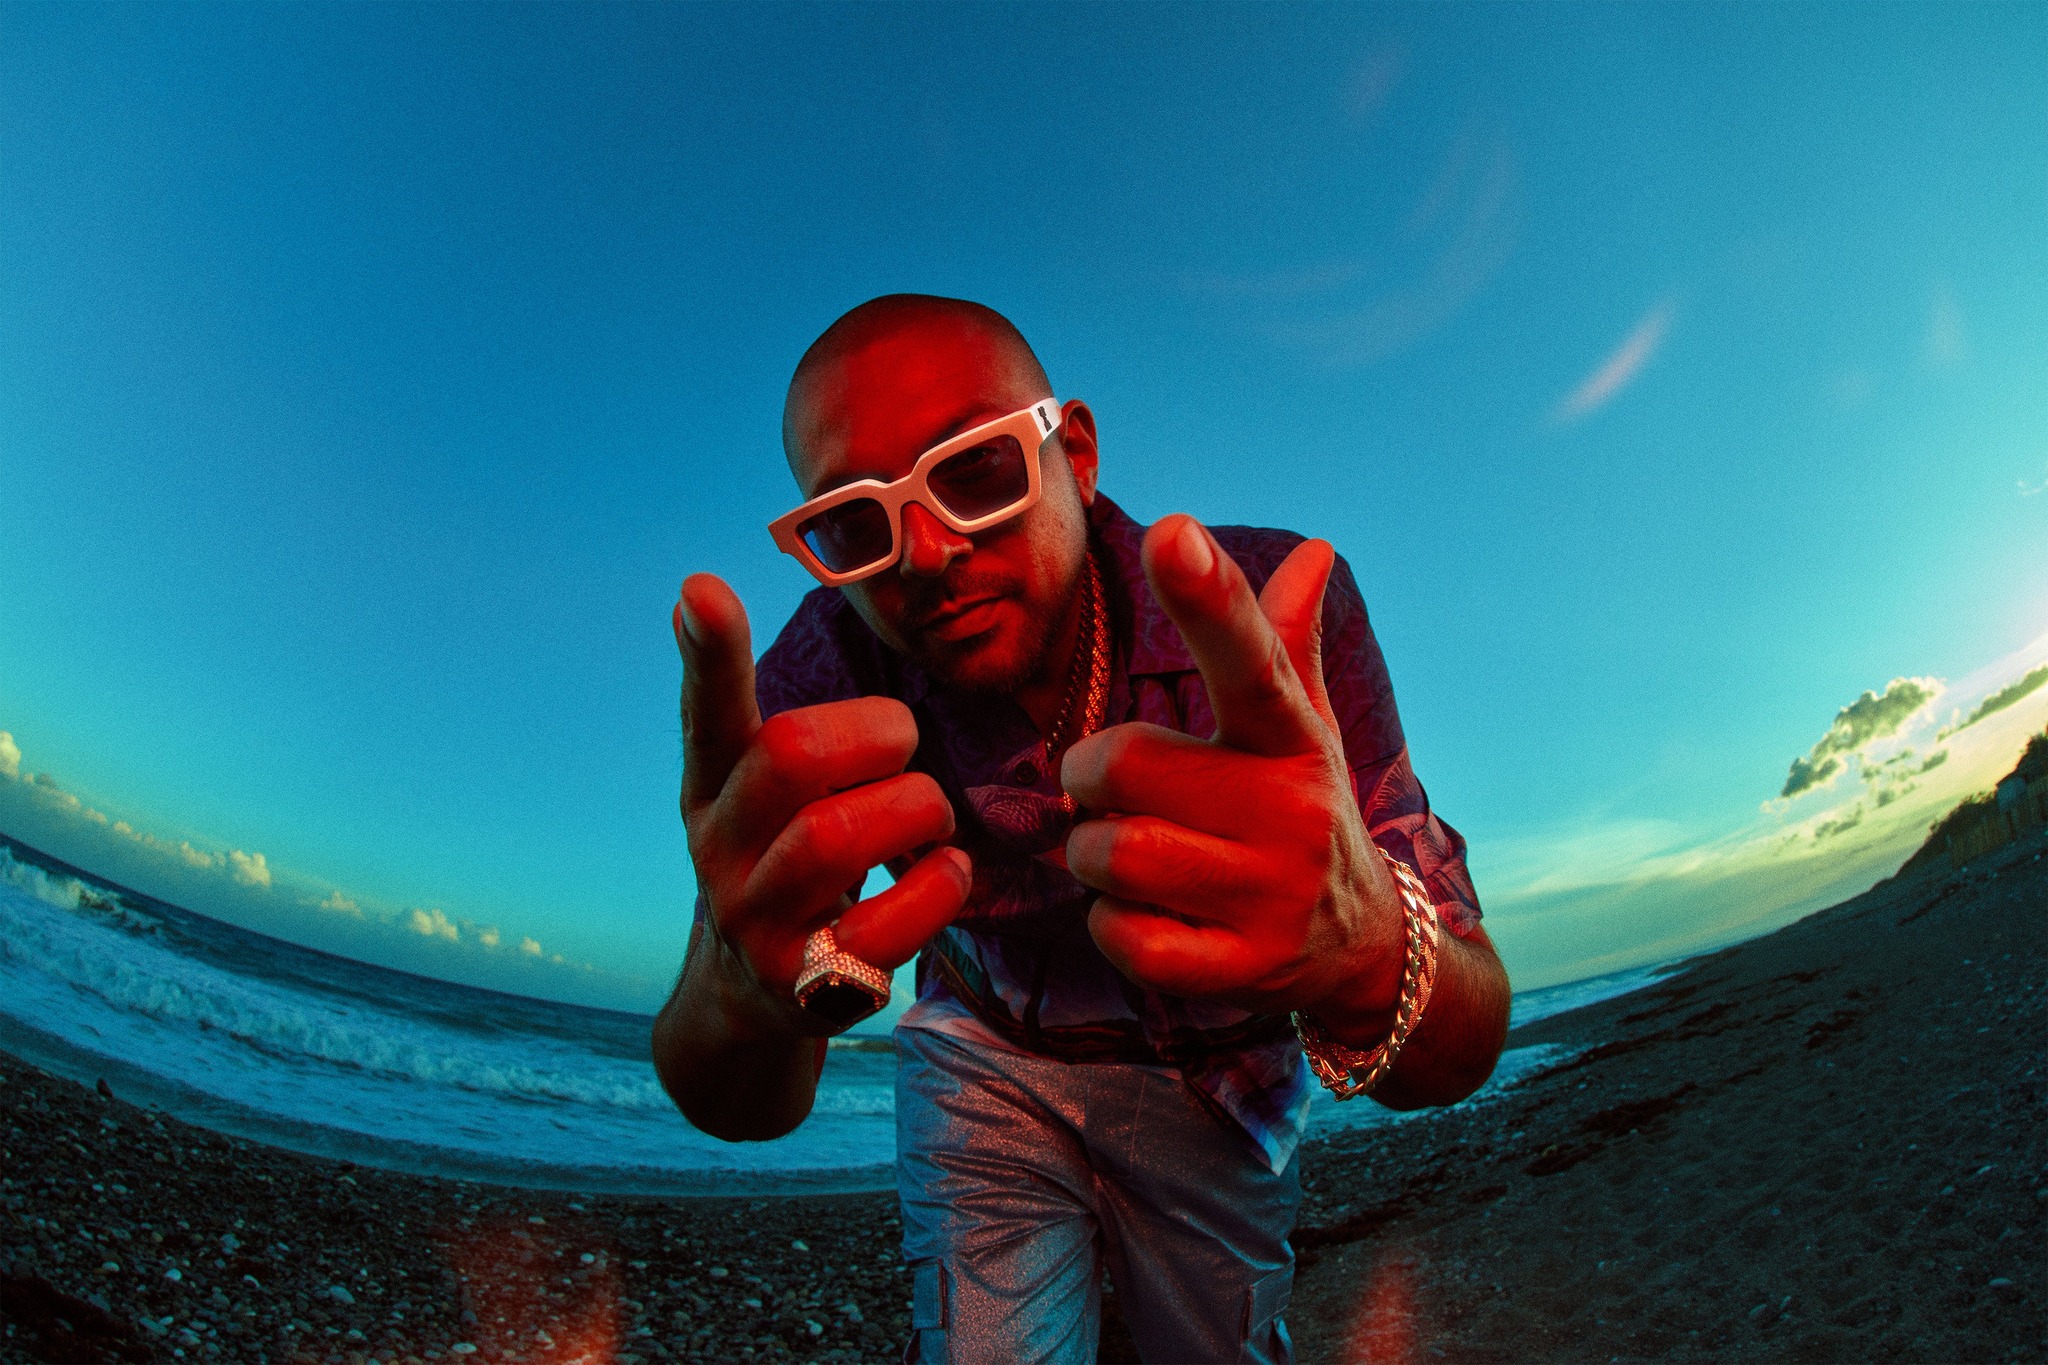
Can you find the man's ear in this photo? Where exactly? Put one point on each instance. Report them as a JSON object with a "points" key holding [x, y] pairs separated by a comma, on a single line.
{"points": [[1077, 436]]}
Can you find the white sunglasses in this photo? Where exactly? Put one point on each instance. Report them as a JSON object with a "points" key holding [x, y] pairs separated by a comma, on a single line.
{"points": [[970, 482]]}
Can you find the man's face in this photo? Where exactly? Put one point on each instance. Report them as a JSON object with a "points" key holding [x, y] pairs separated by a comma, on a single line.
{"points": [[979, 611]]}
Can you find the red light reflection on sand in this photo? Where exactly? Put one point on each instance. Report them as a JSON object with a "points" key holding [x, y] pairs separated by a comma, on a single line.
{"points": [[1383, 1330], [534, 1296]]}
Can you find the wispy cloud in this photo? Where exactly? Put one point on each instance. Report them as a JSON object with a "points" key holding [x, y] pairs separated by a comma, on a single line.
{"points": [[1620, 368], [1944, 347], [1475, 241], [1267, 286], [1358, 306], [2005, 696], [1372, 83]]}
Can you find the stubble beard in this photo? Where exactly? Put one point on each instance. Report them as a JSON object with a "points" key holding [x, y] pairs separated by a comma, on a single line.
{"points": [[984, 668], [990, 671]]}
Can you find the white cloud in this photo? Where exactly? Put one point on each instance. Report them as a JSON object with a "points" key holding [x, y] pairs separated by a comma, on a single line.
{"points": [[488, 937], [434, 924], [340, 905], [194, 857], [250, 869], [1620, 368], [10, 756], [530, 946]]}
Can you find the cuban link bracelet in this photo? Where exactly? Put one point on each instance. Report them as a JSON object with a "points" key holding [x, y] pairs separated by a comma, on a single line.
{"points": [[1346, 1071]]}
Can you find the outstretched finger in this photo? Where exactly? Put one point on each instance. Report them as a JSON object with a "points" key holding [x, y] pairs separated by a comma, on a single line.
{"points": [[720, 713], [889, 928], [1259, 704]]}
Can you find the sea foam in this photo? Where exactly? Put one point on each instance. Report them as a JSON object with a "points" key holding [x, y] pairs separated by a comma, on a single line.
{"points": [[270, 1040]]}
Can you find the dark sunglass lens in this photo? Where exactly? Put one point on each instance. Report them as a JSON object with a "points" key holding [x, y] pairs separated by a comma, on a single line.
{"points": [[984, 480], [850, 536]]}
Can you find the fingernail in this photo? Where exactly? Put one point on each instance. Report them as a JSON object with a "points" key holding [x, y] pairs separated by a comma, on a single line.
{"points": [[1196, 558], [963, 866], [692, 627]]}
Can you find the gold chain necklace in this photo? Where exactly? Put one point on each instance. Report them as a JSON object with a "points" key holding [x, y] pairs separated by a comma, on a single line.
{"points": [[1087, 699]]}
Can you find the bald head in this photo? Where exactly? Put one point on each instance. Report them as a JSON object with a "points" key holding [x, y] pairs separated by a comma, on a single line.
{"points": [[994, 610], [906, 353]]}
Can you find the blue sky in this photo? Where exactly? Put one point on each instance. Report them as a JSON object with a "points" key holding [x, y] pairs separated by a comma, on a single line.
{"points": [[372, 376]]}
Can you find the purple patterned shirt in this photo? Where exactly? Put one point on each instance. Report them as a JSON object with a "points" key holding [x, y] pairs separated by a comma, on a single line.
{"points": [[1023, 936]]}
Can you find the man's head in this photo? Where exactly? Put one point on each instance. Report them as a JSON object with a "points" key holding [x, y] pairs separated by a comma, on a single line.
{"points": [[885, 383]]}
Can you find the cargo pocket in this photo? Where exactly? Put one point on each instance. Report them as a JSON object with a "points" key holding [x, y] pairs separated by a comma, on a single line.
{"points": [[1264, 1336], [927, 1313]]}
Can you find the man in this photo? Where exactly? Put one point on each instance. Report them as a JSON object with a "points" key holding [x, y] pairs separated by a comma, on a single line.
{"points": [[1126, 802]]}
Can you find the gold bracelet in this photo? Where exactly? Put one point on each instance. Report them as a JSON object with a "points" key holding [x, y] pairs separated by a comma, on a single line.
{"points": [[1346, 1071]]}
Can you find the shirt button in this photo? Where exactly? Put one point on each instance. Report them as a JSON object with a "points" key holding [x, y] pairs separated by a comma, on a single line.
{"points": [[1025, 773]]}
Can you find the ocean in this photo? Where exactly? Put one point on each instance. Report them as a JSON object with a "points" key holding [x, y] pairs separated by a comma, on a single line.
{"points": [[249, 1035]]}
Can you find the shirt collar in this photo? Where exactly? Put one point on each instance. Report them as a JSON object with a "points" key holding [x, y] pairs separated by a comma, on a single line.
{"points": [[1153, 644]]}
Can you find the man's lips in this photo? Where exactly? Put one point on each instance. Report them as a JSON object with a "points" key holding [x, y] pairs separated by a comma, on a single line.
{"points": [[958, 620]]}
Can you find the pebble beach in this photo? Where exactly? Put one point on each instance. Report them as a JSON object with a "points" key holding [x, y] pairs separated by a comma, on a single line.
{"points": [[1825, 1144]]}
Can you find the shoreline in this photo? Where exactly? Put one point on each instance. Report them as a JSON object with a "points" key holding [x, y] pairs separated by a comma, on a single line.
{"points": [[171, 1099], [1773, 1153]]}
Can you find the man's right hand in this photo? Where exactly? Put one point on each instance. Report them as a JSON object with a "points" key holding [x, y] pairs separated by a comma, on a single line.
{"points": [[784, 816]]}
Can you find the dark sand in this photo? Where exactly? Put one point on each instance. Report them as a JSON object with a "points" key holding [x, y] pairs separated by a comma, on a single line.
{"points": [[1825, 1144]]}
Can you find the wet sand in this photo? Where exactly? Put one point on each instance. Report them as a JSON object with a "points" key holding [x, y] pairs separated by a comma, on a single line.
{"points": [[1826, 1144]]}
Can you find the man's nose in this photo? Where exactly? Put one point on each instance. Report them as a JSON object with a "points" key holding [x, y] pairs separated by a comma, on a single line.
{"points": [[929, 545]]}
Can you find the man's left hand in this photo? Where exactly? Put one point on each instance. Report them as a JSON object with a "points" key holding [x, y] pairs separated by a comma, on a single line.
{"points": [[1237, 868]]}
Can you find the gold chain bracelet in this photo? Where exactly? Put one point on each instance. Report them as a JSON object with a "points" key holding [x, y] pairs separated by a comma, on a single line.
{"points": [[1346, 1071]]}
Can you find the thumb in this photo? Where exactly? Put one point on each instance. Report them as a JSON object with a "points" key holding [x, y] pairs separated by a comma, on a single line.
{"points": [[1293, 603]]}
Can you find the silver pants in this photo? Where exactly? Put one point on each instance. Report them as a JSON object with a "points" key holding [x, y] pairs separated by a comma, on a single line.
{"points": [[1023, 1178]]}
